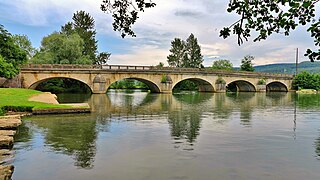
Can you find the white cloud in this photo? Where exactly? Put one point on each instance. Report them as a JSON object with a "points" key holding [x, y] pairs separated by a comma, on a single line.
{"points": [[157, 27]]}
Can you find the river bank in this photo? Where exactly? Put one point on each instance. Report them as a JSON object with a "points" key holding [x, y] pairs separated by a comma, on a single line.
{"points": [[8, 128], [15, 103]]}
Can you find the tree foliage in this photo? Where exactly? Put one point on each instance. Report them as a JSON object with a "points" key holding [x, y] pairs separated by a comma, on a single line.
{"points": [[246, 63], [185, 53], [268, 17], [222, 64], [102, 58], [83, 24], [263, 16], [11, 56], [24, 43], [125, 13], [58, 48], [306, 80], [178, 48]]}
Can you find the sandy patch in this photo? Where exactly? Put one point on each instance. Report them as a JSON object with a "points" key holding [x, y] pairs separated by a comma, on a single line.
{"points": [[45, 97]]}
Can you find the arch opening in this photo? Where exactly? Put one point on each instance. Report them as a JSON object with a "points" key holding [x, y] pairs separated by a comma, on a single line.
{"points": [[276, 87], [240, 86], [134, 84], [193, 84], [59, 85]]}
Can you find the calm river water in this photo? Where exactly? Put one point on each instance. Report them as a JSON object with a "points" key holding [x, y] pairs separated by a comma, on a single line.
{"points": [[182, 136]]}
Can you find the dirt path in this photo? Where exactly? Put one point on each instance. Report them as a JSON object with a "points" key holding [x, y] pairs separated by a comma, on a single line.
{"points": [[45, 97]]}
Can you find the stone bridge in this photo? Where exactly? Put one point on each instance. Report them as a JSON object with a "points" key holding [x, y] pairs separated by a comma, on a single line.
{"points": [[160, 80]]}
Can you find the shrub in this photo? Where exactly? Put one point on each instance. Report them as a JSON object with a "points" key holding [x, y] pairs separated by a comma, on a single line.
{"points": [[163, 79], [262, 82], [306, 80], [220, 81]]}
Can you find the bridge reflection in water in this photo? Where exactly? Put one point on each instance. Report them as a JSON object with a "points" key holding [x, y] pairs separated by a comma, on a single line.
{"points": [[76, 135]]}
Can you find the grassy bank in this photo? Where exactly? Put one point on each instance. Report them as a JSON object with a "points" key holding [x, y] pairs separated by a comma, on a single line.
{"points": [[14, 99]]}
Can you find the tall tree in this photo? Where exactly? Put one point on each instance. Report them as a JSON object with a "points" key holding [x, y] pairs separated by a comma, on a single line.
{"points": [[11, 56], [177, 56], [58, 48], [222, 64], [185, 53], [246, 63], [263, 16], [24, 43], [193, 57], [102, 58], [83, 24]]}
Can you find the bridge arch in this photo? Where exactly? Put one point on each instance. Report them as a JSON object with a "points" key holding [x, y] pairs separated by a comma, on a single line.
{"points": [[203, 85], [37, 83], [241, 86], [154, 88], [276, 86]]}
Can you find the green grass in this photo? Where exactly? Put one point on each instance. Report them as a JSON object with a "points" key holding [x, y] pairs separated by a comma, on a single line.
{"points": [[17, 100]]}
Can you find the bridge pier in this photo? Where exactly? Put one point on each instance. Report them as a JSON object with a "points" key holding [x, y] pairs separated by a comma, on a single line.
{"points": [[99, 85]]}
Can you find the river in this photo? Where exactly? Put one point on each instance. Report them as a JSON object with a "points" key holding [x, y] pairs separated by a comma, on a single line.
{"points": [[138, 135]]}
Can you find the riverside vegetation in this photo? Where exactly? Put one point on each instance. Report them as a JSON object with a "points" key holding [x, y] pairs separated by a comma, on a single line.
{"points": [[14, 99]]}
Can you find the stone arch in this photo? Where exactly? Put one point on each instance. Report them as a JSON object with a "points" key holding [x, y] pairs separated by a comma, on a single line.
{"points": [[204, 85], [35, 84], [153, 86], [277, 86], [242, 86]]}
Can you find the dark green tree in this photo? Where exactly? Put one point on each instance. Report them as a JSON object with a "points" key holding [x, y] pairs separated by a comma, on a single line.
{"points": [[185, 54], [125, 13], [11, 56], [246, 63], [160, 65], [83, 24], [193, 57], [58, 48], [24, 43], [102, 58], [222, 64], [178, 49], [263, 16], [268, 17], [306, 80]]}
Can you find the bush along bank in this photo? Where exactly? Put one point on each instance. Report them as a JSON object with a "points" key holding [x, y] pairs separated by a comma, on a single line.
{"points": [[307, 82]]}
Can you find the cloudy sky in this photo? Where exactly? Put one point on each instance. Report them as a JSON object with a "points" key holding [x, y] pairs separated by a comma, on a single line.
{"points": [[155, 29]]}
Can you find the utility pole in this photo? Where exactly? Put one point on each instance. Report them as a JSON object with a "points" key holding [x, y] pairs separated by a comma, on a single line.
{"points": [[297, 56]]}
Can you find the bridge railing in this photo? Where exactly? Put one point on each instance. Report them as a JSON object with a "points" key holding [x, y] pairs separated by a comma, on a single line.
{"points": [[148, 68], [60, 66]]}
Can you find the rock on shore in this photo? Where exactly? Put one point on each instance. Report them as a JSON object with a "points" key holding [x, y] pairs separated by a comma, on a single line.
{"points": [[8, 126], [6, 172]]}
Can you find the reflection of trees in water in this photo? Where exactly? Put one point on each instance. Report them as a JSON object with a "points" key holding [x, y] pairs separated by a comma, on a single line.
{"points": [[222, 110], [245, 101], [185, 124], [308, 101], [24, 134], [317, 146], [71, 135], [193, 97]]}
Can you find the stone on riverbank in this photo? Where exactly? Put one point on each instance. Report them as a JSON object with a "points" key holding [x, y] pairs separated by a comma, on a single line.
{"points": [[6, 141], [7, 132], [6, 172], [9, 123], [6, 155]]}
